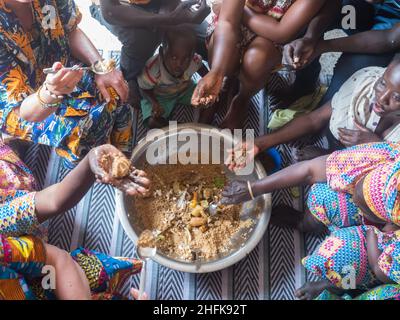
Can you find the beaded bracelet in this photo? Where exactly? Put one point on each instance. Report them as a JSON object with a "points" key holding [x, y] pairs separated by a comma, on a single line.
{"points": [[43, 103]]}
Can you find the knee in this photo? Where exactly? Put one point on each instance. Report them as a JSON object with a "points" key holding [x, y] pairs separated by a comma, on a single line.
{"points": [[258, 63], [57, 257], [261, 55]]}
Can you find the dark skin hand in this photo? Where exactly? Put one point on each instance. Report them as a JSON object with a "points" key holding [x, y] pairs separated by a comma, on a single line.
{"points": [[351, 138], [227, 36], [300, 51], [386, 104], [307, 172], [368, 42], [66, 194], [311, 123], [116, 13], [64, 81]]}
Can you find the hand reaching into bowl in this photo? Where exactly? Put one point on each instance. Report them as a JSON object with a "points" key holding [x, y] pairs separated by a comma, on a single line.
{"points": [[239, 158], [112, 167], [236, 192]]}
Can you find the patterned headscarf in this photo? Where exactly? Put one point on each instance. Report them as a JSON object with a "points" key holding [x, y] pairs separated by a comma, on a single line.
{"points": [[381, 191]]}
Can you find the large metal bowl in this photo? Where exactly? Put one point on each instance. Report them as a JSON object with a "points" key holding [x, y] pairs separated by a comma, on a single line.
{"points": [[242, 244]]}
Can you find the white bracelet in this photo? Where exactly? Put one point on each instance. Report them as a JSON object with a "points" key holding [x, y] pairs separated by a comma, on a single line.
{"points": [[250, 190]]}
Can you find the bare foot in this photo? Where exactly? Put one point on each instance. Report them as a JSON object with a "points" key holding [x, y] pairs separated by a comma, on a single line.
{"points": [[307, 153], [312, 290]]}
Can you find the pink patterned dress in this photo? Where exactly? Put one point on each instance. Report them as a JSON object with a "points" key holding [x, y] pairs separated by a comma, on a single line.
{"points": [[17, 195]]}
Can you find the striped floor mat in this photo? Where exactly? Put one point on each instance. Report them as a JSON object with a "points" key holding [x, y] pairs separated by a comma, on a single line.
{"points": [[272, 271]]}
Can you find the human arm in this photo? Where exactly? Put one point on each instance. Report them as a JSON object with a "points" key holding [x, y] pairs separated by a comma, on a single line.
{"points": [[157, 109], [310, 123], [66, 194], [83, 50], [373, 42], [303, 49], [292, 23], [307, 172], [61, 83], [368, 42], [116, 13], [226, 38]]}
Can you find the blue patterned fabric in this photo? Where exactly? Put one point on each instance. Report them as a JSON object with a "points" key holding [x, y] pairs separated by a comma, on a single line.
{"points": [[334, 209]]}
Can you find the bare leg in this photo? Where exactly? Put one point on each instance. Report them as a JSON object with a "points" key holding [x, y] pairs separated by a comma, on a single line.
{"points": [[287, 217], [71, 281], [207, 115], [260, 58]]}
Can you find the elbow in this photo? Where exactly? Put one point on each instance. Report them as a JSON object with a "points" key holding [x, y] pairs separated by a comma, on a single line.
{"points": [[26, 114]]}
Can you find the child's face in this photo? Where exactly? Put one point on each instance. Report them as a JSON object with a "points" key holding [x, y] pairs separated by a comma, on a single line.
{"points": [[177, 59]]}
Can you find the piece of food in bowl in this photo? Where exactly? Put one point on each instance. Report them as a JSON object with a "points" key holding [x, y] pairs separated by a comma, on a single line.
{"points": [[183, 219], [147, 240]]}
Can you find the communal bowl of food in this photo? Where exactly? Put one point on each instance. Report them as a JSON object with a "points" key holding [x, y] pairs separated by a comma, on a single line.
{"points": [[190, 227]]}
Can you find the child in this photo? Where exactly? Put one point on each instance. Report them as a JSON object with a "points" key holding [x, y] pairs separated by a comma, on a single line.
{"points": [[363, 252], [362, 111], [351, 189], [166, 78], [246, 46], [22, 209]]}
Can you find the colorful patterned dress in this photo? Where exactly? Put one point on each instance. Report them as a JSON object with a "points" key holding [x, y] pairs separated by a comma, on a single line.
{"points": [[344, 253], [22, 262], [332, 204], [83, 120], [379, 164], [17, 195], [22, 254]]}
